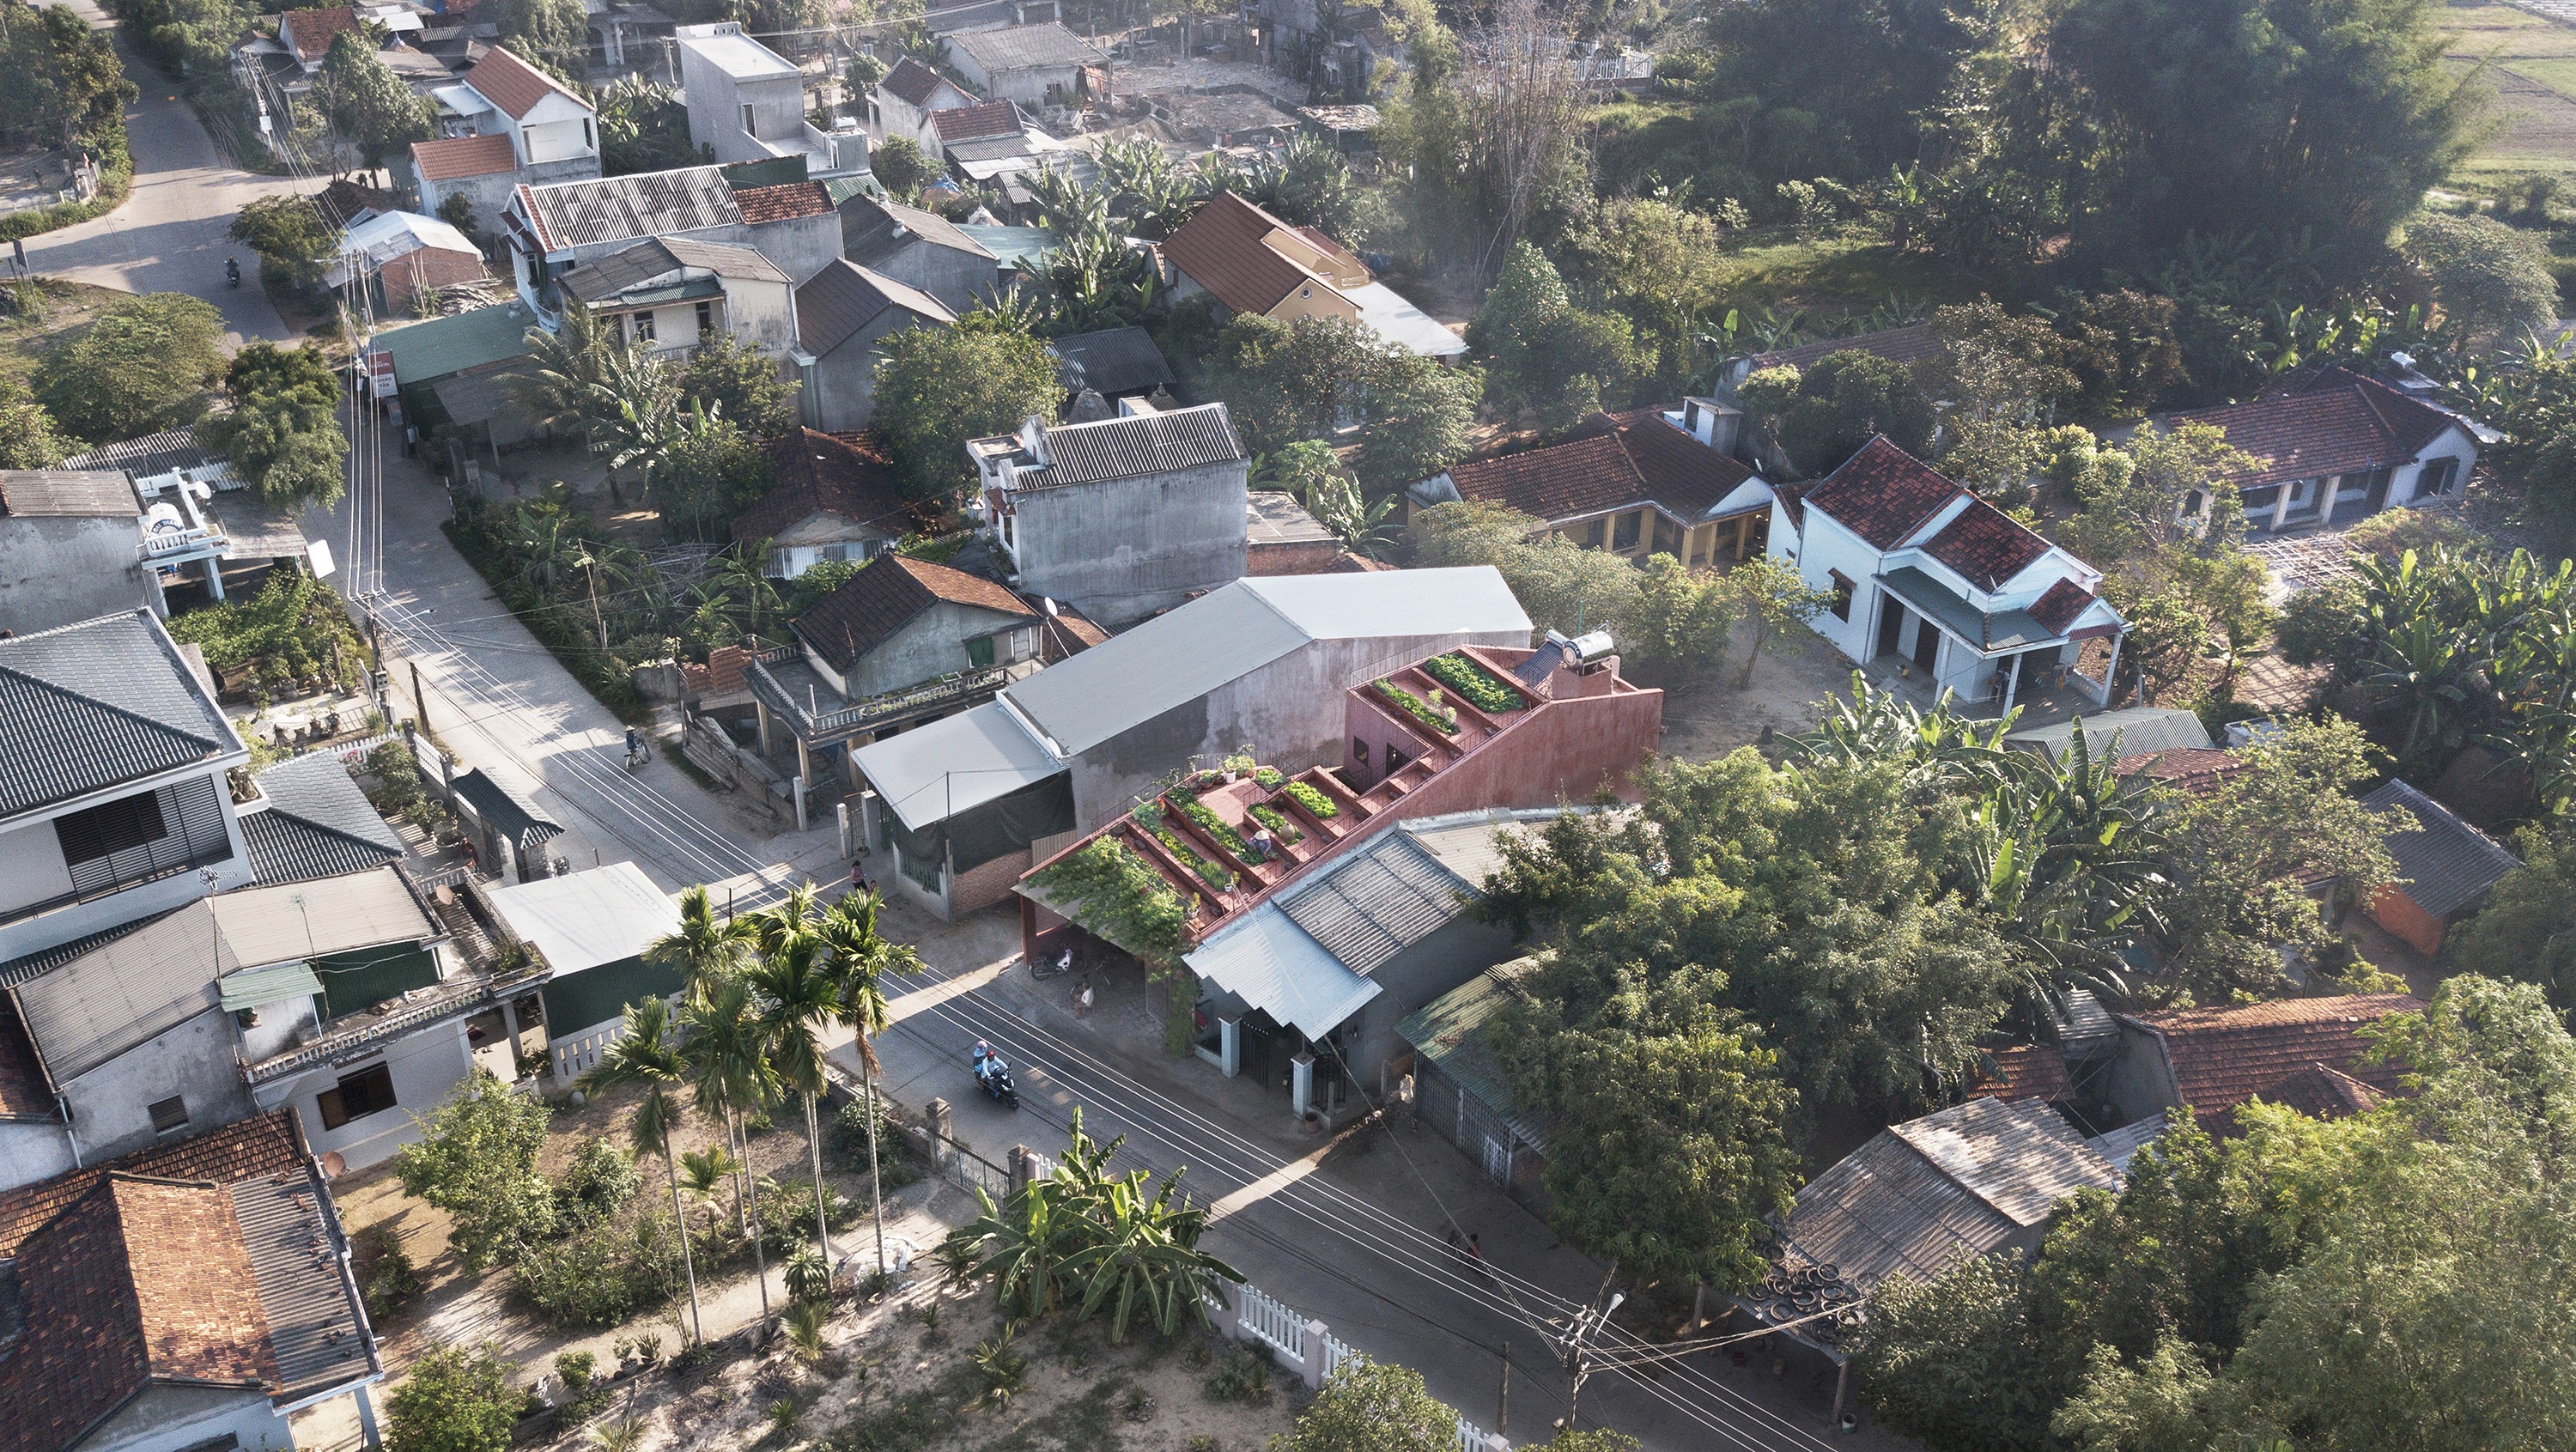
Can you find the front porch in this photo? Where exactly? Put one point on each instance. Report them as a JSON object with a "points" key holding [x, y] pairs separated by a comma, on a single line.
{"points": [[2039, 702]]}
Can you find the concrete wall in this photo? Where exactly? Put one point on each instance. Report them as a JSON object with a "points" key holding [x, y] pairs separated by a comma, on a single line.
{"points": [[1826, 546], [487, 196], [1028, 86], [1122, 549], [933, 644], [167, 1417], [425, 1066], [30, 851], [108, 1104], [56, 571], [32, 1150], [1289, 710], [2139, 1083], [843, 390], [716, 100], [959, 279], [1449, 957], [1563, 753]]}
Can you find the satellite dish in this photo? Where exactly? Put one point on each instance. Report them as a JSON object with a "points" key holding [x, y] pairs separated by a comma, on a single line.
{"points": [[334, 1164]]}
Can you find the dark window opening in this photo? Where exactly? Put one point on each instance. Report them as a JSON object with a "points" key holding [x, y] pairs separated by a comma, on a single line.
{"points": [[1594, 533], [706, 318], [170, 1115], [110, 828], [644, 327], [369, 1091], [1624, 537], [1396, 760], [1359, 751], [979, 651], [1668, 537], [1842, 594]]}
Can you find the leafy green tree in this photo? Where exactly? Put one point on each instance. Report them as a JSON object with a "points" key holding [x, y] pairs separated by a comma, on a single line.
{"points": [[368, 103], [2120, 346], [939, 387], [1660, 267], [283, 430], [292, 240], [2221, 118], [1283, 381], [742, 384], [1773, 601], [2488, 278], [902, 167], [2527, 929], [144, 365], [454, 1399], [1953, 1360], [476, 1159], [552, 35], [1823, 416], [1681, 616], [27, 437], [1671, 1145], [2160, 493], [642, 127], [646, 1057], [64, 83], [1369, 1406], [1562, 585], [1421, 418], [1545, 354]]}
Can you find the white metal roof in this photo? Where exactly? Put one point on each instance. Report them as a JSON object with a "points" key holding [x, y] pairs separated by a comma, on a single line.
{"points": [[957, 764], [1230, 632], [1387, 314], [1270, 963], [583, 919], [389, 235], [462, 99], [299, 920]]}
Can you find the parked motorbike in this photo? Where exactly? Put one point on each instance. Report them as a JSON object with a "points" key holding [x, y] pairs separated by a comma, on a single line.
{"points": [[232, 271], [994, 1077]]}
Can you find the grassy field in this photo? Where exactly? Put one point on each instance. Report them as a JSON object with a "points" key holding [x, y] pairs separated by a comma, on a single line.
{"points": [[2532, 62], [1775, 268], [67, 307]]}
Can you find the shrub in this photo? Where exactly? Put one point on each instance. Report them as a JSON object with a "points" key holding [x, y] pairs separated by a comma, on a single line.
{"points": [[1444, 722], [1268, 778], [787, 1214], [1314, 801], [1475, 685], [598, 1182], [145, 364], [456, 1399], [599, 1276], [808, 1279], [575, 1367], [1242, 1375], [1122, 899], [897, 1165], [386, 1276]]}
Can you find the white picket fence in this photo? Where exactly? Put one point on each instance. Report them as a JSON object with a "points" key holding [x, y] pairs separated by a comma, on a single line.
{"points": [[1288, 1333], [576, 1057]]}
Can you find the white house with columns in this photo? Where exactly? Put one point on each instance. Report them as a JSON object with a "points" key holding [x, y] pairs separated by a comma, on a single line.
{"points": [[2332, 446], [1930, 583]]}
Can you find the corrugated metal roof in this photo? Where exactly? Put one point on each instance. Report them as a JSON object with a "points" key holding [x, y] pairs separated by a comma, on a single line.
{"points": [[612, 209], [1456, 1033], [1883, 1209], [88, 706], [1140, 444], [295, 921], [260, 987], [314, 1326], [125, 993], [1026, 47], [2139, 729], [2121, 1145], [659, 257], [1228, 633], [2018, 1156], [1269, 963], [1376, 902], [584, 919], [68, 493], [149, 455], [2448, 865]]}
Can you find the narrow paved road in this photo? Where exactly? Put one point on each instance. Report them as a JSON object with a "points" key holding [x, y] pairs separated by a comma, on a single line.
{"points": [[169, 235]]}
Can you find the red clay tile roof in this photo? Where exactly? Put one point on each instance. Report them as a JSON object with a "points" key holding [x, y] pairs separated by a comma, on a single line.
{"points": [[1684, 475], [2192, 770], [2331, 421], [2023, 1071], [1883, 494], [973, 123], [2059, 608], [884, 597], [138, 1280], [1985, 546], [308, 32], [344, 199], [915, 82], [514, 85], [272, 1144], [463, 156], [2223, 1056], [1910, 344], [1069, 633], [2322, 1093], [820, 473], [1221, 249], [783, 201], [1565, 481]]}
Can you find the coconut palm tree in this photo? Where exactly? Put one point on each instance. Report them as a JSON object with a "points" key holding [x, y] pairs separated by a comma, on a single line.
{"points": [[860, 961], [706, 947], [562, 384], [647, 1056], [797, 1003], [731, 1075]]}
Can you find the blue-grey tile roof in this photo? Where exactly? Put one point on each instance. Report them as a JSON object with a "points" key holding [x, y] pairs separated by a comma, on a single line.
{"points": [[89, 706], [318, 824], [2447, 866], [1135, 446]]}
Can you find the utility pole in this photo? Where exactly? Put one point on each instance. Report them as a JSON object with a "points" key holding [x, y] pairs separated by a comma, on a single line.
{"points": [[1587, 1323], [419, 698], [1503, 1411]]}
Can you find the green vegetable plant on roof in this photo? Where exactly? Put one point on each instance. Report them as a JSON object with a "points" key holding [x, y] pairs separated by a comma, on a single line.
{"points": [[1115, 894]]}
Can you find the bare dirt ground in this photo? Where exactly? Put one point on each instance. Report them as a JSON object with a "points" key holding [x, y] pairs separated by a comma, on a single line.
{"points": [[1705, 716]]}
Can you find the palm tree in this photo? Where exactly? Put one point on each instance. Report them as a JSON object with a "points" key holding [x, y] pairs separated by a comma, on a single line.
{"points": [[704, 949], [797, 1003], [731, 1074], [561, 387], [647, 1056], [860, 961]]}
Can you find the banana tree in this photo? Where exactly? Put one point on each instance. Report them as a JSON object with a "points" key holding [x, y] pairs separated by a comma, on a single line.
{"points": [[1146, 1258]]}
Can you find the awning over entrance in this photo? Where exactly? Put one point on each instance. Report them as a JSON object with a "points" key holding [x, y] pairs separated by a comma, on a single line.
{"points": [[1985, 633], [1272, 964]]}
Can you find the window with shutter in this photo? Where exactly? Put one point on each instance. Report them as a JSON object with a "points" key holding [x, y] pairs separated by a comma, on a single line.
{"points": [[169, 1116], [110, 828], [979, 651]]}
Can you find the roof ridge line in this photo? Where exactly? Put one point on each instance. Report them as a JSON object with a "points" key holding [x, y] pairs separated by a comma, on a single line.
{"points": [[89, 700]]}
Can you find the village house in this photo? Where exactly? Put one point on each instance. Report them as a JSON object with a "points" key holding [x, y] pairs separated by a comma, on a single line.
{"points": [[1281, 538], [2332, 446], [1035, 65], [592, 930], [404, 257], [560, 228], [454, 371], [843, 312], [1252, 262], [71, 549], [902, 101], [2210, 1060], [747, 103], [669, 295], [1935, 590], [919, 249], [836, 498], [508, 125], [195, 1294], [1122, 517], [1315, 930], [1650, 482], [959, 804], [2444, 871], [1112, 364]]}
